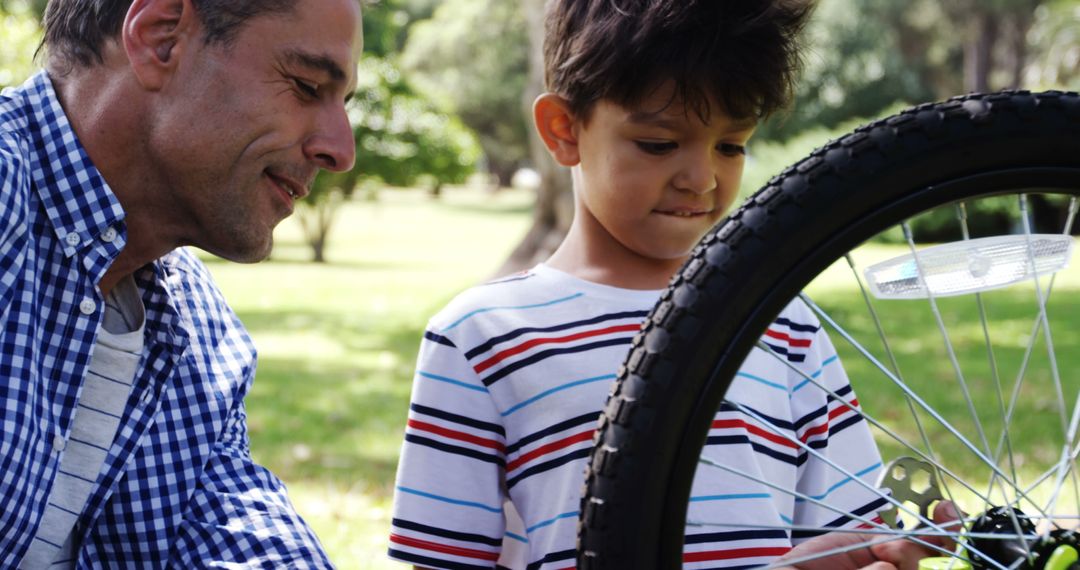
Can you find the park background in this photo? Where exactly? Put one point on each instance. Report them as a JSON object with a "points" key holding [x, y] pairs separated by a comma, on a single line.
{"points": [[450, 188]]}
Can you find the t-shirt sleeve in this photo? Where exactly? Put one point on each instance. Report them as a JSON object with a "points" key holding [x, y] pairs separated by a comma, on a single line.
{"points": [[845, 463], [449, 493]]}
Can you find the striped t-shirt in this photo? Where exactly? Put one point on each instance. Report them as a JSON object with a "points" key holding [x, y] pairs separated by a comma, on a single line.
{"points": [[509, 384]]}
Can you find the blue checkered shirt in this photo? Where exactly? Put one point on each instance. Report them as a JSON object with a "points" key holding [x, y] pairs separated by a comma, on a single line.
{"points": [[178, 488]]}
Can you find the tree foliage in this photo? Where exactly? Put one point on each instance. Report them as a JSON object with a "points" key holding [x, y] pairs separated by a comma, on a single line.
{"points": [[866, 55], [386, 23], [1055, 43], [20, 34], [472, 57], [401, 140]]}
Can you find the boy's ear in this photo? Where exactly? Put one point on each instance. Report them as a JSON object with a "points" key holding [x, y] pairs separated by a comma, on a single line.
{"points": [[154, 34], [556, 127]]}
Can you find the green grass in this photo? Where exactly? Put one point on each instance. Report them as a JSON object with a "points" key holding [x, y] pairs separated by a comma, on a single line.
{"points": [[337, 343]]}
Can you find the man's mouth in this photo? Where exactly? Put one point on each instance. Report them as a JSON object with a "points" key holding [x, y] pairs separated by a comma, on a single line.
{"points": [[293, 189]]}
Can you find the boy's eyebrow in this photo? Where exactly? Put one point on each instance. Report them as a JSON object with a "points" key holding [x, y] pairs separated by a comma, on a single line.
{"points": [[316, 61], [657, 119], [663, 121]]}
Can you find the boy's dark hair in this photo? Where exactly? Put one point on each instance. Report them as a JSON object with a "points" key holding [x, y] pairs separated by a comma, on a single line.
{"points": [[76, 29], [745, 53]]}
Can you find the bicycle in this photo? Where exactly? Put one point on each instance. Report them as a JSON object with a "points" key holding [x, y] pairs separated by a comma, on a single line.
{"points": [[1003, 445]]}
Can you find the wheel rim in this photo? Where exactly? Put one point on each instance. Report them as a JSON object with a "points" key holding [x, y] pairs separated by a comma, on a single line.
{"points": [[663, 404], [1006, 485]]}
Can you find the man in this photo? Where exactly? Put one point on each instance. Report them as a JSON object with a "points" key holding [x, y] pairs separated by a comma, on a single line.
{"points": [[156, 124]]}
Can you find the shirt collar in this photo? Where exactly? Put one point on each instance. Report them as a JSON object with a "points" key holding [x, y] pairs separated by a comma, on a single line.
{"points": [[76, 197]]}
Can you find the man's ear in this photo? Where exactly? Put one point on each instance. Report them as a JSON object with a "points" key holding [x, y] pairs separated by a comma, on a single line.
{"points": [[154, 34], [556, 127]]}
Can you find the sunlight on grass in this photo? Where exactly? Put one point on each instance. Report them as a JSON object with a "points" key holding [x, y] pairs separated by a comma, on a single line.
{"points": [[337, 343]]}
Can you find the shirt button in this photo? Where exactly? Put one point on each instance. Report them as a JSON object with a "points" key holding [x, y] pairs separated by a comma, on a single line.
{"points": [[73, 239], [108, 235], [58, 442], [87, 306]]}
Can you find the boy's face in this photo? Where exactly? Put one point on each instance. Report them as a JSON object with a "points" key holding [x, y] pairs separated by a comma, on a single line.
{"points": [[652, 180]]}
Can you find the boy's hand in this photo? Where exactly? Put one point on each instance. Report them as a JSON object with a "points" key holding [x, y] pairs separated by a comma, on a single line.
{"points": [[899, 554]]}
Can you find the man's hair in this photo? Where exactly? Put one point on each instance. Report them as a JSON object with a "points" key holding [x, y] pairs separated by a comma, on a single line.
{"points": [[75, 30], [745, 53]]}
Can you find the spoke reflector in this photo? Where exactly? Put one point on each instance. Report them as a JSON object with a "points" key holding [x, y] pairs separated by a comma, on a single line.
{"points": [[969, 266]]}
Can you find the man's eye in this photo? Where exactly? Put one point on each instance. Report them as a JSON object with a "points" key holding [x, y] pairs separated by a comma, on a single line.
{"points": [[656, 147], [306, 88], [729, 149]]}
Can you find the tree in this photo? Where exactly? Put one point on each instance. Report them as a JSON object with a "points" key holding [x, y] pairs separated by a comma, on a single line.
{"points": [[1055, 45], [401, 139], [866, 55], [471, 56], [993, 34], [21, 34], [554, 208], [863, 56], [386, 23]]}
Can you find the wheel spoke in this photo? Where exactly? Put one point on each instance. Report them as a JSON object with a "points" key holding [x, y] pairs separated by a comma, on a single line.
{"points": [[874, 524], [949, 349], [1065, 466], [867, 544], [892, 532], [853, 477], [933, 459], [961, 214], [1048, 336], [876, 423], [992, 465]]}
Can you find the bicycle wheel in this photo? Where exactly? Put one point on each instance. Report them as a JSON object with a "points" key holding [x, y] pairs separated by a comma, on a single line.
{"points": [[968, 375]]}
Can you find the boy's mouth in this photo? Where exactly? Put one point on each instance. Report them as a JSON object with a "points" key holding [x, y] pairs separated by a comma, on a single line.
{"points": [[683, 213]]}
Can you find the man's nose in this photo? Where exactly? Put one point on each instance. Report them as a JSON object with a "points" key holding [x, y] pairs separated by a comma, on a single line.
{"points": [[332, 146]]}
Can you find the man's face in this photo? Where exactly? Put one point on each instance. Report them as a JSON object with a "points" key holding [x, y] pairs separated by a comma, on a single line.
{"points": [[241, 130], [654, 179]]}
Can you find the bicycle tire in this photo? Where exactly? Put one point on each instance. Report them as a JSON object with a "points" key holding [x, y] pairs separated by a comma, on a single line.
{"points": [[654, 425]]}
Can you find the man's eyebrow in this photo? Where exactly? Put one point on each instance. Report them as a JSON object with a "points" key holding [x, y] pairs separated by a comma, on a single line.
{"points": [[316, 61]]}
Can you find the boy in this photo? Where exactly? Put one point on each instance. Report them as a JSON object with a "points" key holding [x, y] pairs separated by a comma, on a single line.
{"points": [[651, 104]]}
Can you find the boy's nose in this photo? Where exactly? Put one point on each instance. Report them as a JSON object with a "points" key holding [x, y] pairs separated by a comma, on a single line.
{"points": [[698, 175]]}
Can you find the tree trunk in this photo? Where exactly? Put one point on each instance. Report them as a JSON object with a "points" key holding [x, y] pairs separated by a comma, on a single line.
{"points": [[978, 51], [316, 219], [503, 172], [1018, 47], [554, 208]]}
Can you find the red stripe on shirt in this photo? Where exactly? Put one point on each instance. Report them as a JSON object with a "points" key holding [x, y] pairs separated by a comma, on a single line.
{"points": [[735, 424], [818, 430], [833, 414], [553, 446], [551, 340], [733, 553], [795, 342], [877, 522], [842, 409], [458, 435], [444, 548]]}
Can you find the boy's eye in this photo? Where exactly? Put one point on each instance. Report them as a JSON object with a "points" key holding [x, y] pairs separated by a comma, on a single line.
{"points": [[656, 147], [309, 89], [729, 149]]}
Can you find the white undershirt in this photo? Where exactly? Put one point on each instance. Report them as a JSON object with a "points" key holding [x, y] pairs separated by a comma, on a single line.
{"points": [[101, 404]]}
